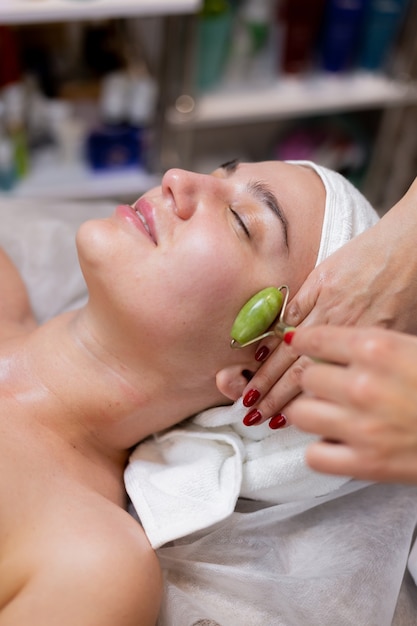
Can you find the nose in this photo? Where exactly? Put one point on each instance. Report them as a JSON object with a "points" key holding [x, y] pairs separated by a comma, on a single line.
{"points": [[188, 189]]}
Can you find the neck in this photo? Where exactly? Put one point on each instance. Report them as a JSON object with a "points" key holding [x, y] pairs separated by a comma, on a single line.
{"points": [[75, 384]]}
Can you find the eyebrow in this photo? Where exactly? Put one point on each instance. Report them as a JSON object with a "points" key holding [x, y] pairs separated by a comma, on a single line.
{"points": [[261, 192]]}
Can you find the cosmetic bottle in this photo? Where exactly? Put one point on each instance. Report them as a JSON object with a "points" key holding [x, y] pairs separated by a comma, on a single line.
{"points": [[341, 30], [213, 42], [127, 108], [113, 144], [256, 15], [251, 55], [299, 22], [67, 132], [382, 22], [14, 122], [7, 164], [10, 66], [257, 19], [141, 114]]}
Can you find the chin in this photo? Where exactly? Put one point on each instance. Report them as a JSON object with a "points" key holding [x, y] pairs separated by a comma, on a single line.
{"points": [[94, 242]]}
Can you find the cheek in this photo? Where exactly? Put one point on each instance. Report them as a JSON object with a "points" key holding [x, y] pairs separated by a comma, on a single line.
{"points": [[110, 264], [201, 287]]}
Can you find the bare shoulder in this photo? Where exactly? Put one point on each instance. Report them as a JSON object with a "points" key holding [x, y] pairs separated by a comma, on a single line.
{"points": [[16, 315], [101, 572]]}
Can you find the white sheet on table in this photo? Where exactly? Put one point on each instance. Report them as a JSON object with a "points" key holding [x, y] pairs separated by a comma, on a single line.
{"points": [[338, 560], [39, 236]]}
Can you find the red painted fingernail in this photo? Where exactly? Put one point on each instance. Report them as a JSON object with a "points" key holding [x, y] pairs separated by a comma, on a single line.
{"points": [[253, 417], [251, 397], [288, 336], [261, 353], [278, 421]]}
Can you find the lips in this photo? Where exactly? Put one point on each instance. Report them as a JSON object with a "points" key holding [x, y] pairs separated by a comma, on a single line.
{"points": [[142, 219], [144, 211], [141, 216]]}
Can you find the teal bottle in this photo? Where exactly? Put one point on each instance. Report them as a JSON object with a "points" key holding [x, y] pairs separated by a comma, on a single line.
{"points": [[213, 42], [383, 19]]}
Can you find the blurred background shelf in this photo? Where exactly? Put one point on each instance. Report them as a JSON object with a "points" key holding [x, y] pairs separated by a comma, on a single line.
{"points": [[40, 11], [77, 182], [290, 97], [195, 112]]}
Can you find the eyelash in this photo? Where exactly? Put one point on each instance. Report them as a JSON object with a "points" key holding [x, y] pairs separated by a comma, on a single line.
{"points": [[231, 165], [240, 222]]}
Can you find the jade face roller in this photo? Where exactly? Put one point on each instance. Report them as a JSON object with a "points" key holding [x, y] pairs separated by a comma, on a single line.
{"points": [[257, 315]]}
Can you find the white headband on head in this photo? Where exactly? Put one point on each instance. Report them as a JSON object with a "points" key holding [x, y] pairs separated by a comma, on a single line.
{"points": [[347, 212]]}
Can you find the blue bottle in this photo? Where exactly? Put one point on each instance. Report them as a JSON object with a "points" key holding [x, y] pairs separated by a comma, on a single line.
{"points": [[341, 31], [382, 22]]}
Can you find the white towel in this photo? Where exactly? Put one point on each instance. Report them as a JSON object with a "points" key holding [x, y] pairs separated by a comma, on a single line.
{"points": [[191, 476]]}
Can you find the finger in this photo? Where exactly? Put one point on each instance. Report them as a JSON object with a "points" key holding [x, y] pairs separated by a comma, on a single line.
{"points": [[328, 343], [388, 352], [343, 345], [281, 419], [269, 381], [276, 364], [358, 388], [336, 458], [346, 460], [382, 380], [379, 349], [352, 387], [384, 429], [303, 306], [327, 420], [279, 395]]}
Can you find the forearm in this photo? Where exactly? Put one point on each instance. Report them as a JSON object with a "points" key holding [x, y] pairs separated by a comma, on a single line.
{"points": [[394, 244]]}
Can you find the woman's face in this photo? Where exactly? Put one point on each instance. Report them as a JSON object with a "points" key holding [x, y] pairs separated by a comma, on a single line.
{"points": [[173, 273]]}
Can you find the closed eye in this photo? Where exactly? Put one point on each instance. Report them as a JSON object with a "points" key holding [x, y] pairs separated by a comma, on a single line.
{"points": [[240, 222]]}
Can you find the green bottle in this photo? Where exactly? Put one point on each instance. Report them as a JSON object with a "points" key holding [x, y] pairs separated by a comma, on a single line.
{"points": [[213, 42], [214, 7]]}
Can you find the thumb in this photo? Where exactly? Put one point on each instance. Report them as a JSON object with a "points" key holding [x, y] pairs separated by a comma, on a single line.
{"points": [[305, 300]]}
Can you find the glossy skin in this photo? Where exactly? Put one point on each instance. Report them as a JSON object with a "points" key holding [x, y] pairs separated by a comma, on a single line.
{"points": [[151, 347], [369, 281], [63, 541], [365, 398]]}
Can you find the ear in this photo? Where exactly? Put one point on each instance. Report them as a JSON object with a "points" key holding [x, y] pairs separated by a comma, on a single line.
{"points": [[232, 380]]}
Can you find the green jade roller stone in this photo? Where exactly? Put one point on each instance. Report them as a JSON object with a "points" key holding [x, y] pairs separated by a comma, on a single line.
{"points": [[257, 315]]}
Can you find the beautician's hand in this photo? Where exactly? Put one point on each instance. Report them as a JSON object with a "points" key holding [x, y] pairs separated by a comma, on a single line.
{"points": [[372, 280], [367, 402]]}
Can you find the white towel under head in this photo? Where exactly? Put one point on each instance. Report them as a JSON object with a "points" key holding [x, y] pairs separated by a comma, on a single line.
{"points": [[191, 476]]}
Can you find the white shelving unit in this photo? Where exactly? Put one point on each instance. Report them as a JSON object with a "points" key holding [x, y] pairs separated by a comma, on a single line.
{"points": [[294, 97], [77, 181], [49, 179], [38, 11], [223, 122]]}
